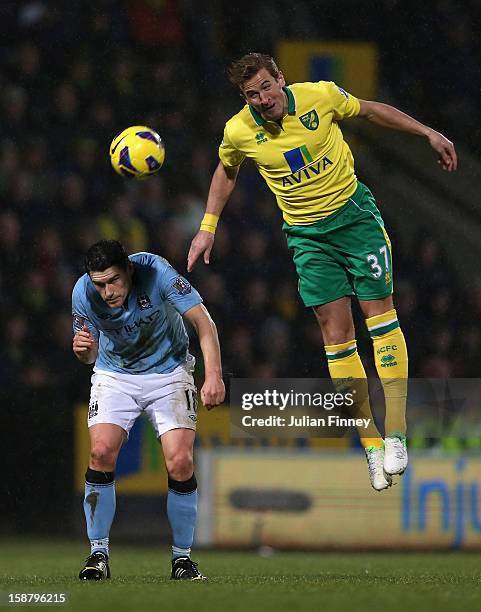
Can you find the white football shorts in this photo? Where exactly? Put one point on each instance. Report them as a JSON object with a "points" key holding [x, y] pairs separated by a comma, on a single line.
{"points": [[168, 400]]}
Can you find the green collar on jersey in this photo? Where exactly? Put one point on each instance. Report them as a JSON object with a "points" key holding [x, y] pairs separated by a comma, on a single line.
{"points": [[291, 107]]}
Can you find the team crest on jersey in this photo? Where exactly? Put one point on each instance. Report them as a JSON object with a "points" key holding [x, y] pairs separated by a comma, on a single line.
{"points": [[261, 137], [310, 120], [182, 286], [144, 302]]}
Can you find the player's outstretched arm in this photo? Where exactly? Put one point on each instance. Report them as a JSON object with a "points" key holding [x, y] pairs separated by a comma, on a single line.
{"points": [[85, 346], [221, 187], [390, 117], [213, 390]]}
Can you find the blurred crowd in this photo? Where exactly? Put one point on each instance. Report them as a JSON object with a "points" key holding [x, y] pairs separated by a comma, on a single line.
{"points": [[71, 78]]}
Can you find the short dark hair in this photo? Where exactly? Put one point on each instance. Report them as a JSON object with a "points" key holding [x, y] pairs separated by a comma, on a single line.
{"points": [[249, 65], [105, 254]]}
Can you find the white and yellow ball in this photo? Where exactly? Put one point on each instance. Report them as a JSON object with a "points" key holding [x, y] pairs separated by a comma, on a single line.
{"points": [[137, 152]]}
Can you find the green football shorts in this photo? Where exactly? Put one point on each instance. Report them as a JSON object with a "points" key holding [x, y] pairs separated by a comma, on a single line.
{"points": [[347, 253]]}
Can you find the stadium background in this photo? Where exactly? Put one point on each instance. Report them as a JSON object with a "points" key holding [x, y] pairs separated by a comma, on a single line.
{"points": [[73, 77]]}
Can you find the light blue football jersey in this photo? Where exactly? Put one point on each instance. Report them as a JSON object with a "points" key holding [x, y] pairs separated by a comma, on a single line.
{"points": [[147, 334]]}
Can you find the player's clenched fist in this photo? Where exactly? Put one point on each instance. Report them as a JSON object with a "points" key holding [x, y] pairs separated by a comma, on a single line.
{"points": [[85, 345]]}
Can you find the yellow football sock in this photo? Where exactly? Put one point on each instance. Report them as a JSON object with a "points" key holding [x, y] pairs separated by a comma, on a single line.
{"points": [[348, 374], [391, 358]]}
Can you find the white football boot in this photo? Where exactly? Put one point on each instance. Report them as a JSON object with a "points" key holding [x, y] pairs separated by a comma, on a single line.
{"points": [[375, 464], [395, 454]]}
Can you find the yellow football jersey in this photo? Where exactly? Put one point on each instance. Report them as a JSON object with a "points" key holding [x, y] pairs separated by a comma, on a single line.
{"points": [[304, 159]]}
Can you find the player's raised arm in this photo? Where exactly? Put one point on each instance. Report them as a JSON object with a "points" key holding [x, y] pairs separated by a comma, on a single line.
{"points": [[85, 340], [221, 187], [85, 346], [213, 390], [390, 117]]}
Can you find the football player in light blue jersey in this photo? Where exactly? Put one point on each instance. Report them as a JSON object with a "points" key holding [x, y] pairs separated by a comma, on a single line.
{"points": [[128, 320]]}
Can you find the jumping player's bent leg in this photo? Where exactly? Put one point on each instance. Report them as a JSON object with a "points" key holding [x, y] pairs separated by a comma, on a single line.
{"points": [[99, 500], [391, 359], [347, 372], [335, 320], [177, 445]]}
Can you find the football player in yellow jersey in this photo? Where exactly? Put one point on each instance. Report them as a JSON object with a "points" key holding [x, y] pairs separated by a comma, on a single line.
{"points": [[332, 226]]}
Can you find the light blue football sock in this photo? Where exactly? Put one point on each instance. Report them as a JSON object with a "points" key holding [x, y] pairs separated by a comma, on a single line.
{"points": [[99, 508], [182, 515]]}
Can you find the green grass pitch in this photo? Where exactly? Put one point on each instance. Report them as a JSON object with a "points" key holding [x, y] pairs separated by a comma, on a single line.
{"points": [[247, 582]]}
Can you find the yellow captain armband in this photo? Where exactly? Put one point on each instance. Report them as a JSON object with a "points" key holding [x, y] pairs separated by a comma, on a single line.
{"points": [[209, 223]]}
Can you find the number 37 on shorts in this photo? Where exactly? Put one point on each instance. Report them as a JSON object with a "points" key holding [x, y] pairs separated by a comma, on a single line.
{"points": [[348, 253]]}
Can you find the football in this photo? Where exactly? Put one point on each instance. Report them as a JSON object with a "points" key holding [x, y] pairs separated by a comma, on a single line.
{"points": [[137, 152]]}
